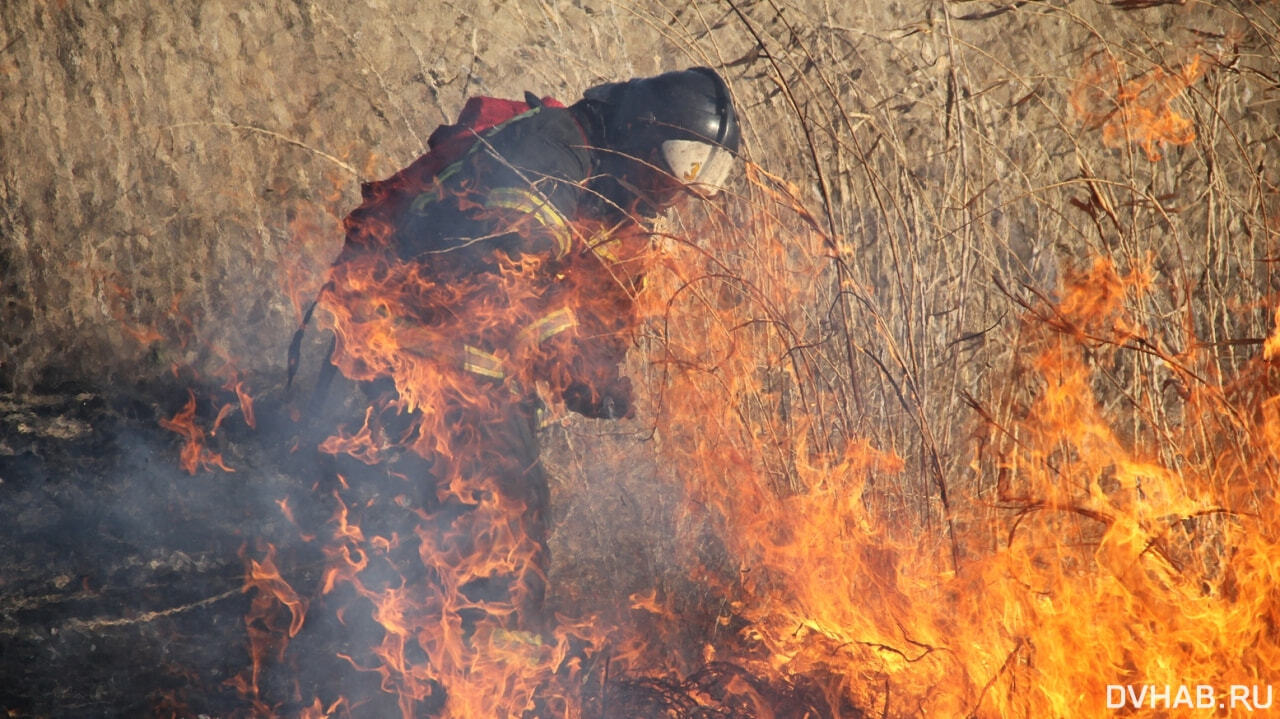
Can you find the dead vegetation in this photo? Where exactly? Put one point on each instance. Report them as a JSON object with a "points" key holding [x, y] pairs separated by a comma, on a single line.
{"points": [[930, 183]]}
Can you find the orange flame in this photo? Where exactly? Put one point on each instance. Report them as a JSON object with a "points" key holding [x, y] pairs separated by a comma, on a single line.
{"points": [[1101, 562], [267, 640], [1090, 549], [245, 400], [195, 456], [467, 351], [1137, 110], [1271, 347]]}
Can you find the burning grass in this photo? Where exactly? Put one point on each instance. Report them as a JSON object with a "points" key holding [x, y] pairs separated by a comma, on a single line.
{"points": [[965, 404], [1085, 544], [1136, 110], [1083, 554]]}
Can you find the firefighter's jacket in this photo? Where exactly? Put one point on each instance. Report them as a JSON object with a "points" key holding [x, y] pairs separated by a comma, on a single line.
{"points": [[495, 267]]}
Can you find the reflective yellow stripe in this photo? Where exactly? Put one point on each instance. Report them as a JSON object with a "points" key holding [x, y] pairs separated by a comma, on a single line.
{"points": [[602, 251], [420, 203], [550, 326], [450, 171], [477, 361], [544, 212], [600, 245], [604, 243]]}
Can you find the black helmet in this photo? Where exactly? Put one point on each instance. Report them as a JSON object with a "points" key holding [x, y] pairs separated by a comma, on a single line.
{"points": [[680, 123]]}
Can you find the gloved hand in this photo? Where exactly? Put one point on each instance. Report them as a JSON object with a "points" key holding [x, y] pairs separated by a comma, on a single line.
{"points": [[611, 402]]}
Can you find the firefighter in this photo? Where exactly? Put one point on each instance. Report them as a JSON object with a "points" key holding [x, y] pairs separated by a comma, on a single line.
{"points": [[509, 255]]}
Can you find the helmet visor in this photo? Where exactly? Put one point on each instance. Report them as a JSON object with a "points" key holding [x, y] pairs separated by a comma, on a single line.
{"points": [[703, 165]]}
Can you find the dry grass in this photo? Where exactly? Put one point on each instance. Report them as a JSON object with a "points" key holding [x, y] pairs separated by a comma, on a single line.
{"points": [[943, 153], [175, 174]]}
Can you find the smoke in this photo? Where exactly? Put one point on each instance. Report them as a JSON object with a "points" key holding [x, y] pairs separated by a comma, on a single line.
{"points": [[120, 567]]}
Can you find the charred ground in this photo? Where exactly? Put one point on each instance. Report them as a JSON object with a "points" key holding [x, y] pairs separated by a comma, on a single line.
{"points": [[172, 183]]}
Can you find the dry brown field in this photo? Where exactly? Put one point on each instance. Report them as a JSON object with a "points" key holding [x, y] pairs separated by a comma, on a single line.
{"points": [[962, 402]]}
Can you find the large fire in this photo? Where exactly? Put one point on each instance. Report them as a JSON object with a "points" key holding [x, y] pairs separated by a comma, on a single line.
{"points": [[963, 399], [1098, 557], [1101, 564], [1092, 556]]}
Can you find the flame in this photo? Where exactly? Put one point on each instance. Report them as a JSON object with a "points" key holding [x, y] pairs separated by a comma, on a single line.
{"points": [[245, 400], [1271, 347], [268, 638], [1077, 553], [1104, 559], [194, 456], [1138, 110], [449, 576]]}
